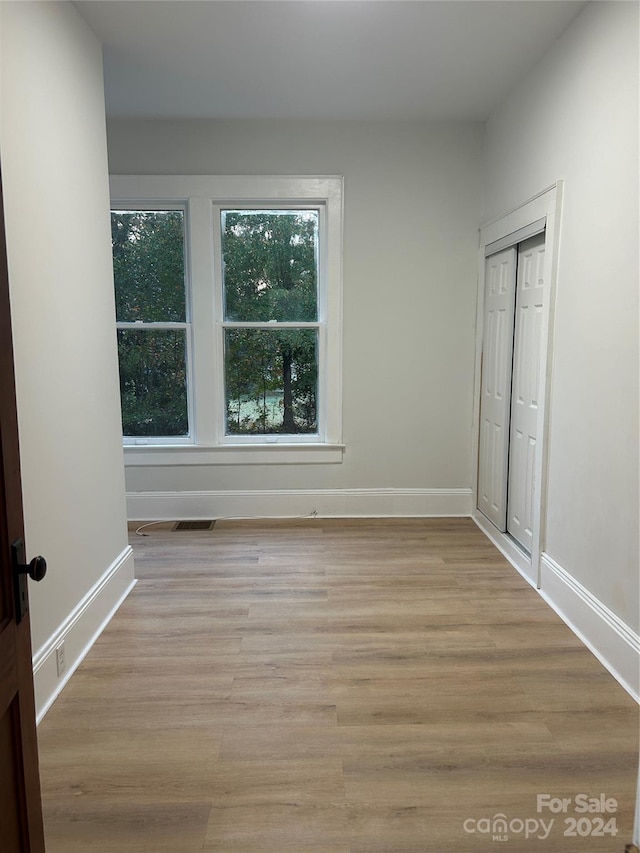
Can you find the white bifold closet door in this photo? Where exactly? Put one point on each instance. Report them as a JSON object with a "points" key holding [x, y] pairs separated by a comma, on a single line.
{"points": [[511, 351], [524, 389]]}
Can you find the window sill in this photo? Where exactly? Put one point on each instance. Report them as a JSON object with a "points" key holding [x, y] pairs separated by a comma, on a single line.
{"points": [[233, 454]]}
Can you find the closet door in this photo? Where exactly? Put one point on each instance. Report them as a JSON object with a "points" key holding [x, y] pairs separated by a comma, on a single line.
{"points": [[495, 392], [525, 389]]}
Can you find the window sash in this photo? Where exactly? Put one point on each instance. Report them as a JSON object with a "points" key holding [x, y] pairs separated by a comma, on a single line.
{"points": [[220, 209], [147, 207], [156, 324], [189, 438], [271, 324]]}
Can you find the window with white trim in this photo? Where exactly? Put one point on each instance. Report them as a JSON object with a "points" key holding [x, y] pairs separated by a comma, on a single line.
{"points": [[151, 320], [228, 293]]}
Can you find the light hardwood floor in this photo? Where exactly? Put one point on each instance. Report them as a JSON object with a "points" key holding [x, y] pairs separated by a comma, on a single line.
{"points": [[332, 687]]}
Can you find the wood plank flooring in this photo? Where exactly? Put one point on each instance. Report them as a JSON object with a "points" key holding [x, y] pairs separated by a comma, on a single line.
{"points": [[369, 686]]}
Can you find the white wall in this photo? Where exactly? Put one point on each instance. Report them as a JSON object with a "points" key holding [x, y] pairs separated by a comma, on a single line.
{"points": [[576, 118], [54, 165], [411, 218]]}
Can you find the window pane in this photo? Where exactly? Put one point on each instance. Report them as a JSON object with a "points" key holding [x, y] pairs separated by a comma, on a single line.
{"points": [[271, 381], [270, 265], [153, 384], [148, 265]]}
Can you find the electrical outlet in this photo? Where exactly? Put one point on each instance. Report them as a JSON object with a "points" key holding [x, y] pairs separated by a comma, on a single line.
{"points": [[61, 662]]}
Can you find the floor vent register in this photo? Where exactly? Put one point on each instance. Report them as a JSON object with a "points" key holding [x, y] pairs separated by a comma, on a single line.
{"points": [[194, 525]]}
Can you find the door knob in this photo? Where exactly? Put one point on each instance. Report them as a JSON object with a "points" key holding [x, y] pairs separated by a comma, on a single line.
{"points": [[36, 570]]}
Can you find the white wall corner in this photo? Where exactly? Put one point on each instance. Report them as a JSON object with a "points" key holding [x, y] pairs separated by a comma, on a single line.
{"points": [[613, 642], [80, 630], [293, 503]]}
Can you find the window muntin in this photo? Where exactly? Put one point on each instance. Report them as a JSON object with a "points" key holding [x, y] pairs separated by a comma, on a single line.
{"points": [[148, 248]]}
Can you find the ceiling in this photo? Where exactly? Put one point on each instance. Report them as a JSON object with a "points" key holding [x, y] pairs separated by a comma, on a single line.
{"points": [[319, 59]]}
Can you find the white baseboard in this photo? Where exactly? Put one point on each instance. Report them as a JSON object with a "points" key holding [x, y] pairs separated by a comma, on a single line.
{"points": [[292, 503], [508, 548], [80, 630], [615, 645], [613, 642]]}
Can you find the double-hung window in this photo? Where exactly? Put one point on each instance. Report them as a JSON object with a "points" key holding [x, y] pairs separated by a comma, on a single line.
{"points": [[228, 303], [270, 321], [151, 316]]}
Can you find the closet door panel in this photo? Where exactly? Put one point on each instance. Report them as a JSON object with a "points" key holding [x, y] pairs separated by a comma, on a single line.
{"points": [[525, 389], [495, 392]]}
